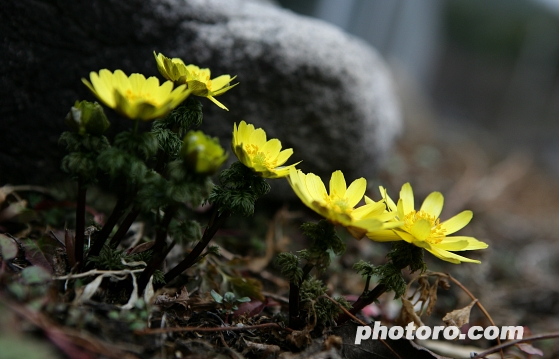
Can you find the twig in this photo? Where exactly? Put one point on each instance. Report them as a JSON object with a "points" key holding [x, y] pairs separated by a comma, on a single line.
{"points": [[514, 342], [96, 272], [478, 303], [206, 329], [358, 321]]}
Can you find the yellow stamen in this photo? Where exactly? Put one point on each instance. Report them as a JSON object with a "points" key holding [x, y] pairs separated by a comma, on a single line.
{"points": [[437, 231]]}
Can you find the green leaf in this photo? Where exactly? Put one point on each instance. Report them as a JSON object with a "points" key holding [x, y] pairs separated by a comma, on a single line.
{"points": [[229, 297], [216, 296]]}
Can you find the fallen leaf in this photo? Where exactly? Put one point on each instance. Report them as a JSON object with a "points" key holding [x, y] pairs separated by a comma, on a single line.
{"points": [[459, 317], [528, 348], [90, 289]]}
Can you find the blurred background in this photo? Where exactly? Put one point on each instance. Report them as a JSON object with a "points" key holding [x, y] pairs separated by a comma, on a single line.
{"points": [[490, 63]]}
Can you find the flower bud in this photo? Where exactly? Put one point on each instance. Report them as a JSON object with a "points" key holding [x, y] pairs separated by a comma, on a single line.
{"points": [[203, 154], [87, 117]]}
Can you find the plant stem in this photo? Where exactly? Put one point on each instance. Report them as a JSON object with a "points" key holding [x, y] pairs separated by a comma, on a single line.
{"points": [[158, 248], [80, 223], [364, 300], [101, 236], [215, 223], [295, 322], [124, 227]]}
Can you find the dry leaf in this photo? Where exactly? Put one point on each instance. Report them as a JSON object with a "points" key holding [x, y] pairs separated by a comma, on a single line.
{"points": [[528, 348], [140, 248], [90, 289], [459, 317], [443, 283], [408, 314], [432, 297], [181, 298], [300, 338]]}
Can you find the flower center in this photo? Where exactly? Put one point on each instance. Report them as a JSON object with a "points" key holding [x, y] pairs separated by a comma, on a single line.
{"points": [[258, 157], [337, 203], [424, 226], [135, 96]]}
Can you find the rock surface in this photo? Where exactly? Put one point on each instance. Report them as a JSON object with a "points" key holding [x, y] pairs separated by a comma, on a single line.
{"points": [[320, 91]]}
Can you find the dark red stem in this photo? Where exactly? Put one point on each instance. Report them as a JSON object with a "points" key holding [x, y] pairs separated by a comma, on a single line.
{"points": [[80, 223], [213, 226]]}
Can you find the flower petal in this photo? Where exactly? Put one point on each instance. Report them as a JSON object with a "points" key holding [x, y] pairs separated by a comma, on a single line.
{"points": [[316, 187], [433, 204], [222, 106], [337, 185], [450, 257], [383, 236], [356, 191], [406, 195], [272, 148], [471, 243], [284, 155], [258, 138], [457, 222], [389, 202]]}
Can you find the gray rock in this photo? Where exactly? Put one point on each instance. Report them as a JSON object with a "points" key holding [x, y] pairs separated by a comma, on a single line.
{"points": [[320, 91]]}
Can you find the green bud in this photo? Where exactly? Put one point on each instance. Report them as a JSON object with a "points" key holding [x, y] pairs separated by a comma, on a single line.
{"points": [[203, 154], [87, 117]]}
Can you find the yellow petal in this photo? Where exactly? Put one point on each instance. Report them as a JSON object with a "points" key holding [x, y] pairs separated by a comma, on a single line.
{"points": [[433, 204], [400, 211], [272, 148], [258, 138], [405, 235], [389, 202], [471, 243], [368, 224], [356, 191], [383, 236], [457, 222], [406, 195], [316, 187], [455, 245], [284, 156], [337, 185], [450, 257], [220, 82], [217, 103]]}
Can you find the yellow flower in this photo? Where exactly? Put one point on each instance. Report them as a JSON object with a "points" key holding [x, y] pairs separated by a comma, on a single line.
{"points": [[263, 157], [195, 78], [135, 96], [424, 229], [202, 153], [339, 205]]}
